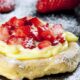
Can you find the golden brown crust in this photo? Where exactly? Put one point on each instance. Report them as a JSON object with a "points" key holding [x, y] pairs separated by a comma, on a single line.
{"points": [[65, 61]]}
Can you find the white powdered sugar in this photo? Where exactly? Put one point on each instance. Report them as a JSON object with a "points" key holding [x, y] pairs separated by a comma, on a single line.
{"points": [[29, 43]]}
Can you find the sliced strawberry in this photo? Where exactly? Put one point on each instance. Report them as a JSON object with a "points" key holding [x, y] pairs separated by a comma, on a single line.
{"points": [[14, 40], [19, 33], [28, 43], [44, 44], [57, 29], [55, 42], [60, 38], [4, 34], [9, 27], [28, 23], [12, 21], [46, 33], [26, 30], [36, 22], [22, 21], [22, 31], [17, 22]]}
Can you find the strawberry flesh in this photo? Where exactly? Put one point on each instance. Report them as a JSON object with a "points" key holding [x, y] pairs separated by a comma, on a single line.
{"points": [[14, 40], [46, 33], [36, 22], [4, 33], [44, 44], [60, 38], [34, 33]]}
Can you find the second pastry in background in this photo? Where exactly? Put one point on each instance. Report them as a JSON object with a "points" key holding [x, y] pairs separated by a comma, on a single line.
{"points": [[46, 6], [6, 5]]}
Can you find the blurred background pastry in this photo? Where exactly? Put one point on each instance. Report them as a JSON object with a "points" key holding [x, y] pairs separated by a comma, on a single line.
{"points": [[6, 5], [46, 6]]}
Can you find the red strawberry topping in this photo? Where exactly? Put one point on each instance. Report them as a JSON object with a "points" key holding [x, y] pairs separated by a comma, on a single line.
{"points": [[4, 34], [46, 33], [22, 31], [14, 40], [44, 44], [31, 33], [36, 22], [34, 33], [17, 22], [60, 38]]}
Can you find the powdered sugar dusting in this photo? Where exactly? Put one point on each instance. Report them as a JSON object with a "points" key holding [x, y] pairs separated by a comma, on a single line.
{"points": [[30, 43]]}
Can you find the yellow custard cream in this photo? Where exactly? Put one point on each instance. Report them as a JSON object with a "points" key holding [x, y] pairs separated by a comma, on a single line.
{"points": [[18, 52]]}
